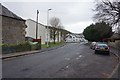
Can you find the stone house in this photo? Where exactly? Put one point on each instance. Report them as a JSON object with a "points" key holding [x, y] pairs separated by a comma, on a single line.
{"points": [[13, 27]]}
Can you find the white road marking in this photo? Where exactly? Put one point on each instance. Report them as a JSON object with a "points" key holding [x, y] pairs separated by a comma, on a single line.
{"points": [[67, 58], [80, 56], [67, 66]]}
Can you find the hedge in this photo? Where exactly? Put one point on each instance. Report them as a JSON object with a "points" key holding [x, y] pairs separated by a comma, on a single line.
{"points": [[26, 46]]}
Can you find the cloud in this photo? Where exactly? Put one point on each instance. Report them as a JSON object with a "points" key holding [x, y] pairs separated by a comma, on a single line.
{"points": [[47, 0], [71, 14], [78, 27]]}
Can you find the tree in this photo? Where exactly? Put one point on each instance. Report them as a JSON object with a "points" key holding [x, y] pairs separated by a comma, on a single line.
{"points": [[119, 30], [108, 11], [97, 31], [55, 23]]}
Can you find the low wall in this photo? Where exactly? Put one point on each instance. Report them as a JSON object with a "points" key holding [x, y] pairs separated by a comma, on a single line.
{"points": [[115, 44], [19, 48]]}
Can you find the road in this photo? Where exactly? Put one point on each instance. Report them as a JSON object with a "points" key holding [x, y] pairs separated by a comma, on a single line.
{"points": [[70, 61]]}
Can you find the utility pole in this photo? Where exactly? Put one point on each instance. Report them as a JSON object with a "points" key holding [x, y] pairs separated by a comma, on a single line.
{"points": [[37, 25]]}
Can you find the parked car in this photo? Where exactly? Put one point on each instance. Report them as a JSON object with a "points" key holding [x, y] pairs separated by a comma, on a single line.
{"points": [[92, 46], [102, 48]]}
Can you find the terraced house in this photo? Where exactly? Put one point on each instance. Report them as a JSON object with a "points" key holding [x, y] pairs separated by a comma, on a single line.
{"points": [[42, 31], [13, 27]]}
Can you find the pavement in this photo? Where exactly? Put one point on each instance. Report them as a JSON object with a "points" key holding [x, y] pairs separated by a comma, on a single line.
{"points": [[115, 51], [116, 72], [70, 61]]}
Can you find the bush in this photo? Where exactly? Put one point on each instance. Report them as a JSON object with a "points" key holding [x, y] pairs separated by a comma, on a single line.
{"points": [[11, 48], [22, 47], [25, 46]]}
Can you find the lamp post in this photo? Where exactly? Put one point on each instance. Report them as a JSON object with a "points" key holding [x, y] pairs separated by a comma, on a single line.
{"points": [[37, 25], [48, 25]]}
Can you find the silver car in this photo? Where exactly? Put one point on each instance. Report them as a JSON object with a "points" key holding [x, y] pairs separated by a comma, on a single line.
{"points": [[102, 48], [92, 46]]}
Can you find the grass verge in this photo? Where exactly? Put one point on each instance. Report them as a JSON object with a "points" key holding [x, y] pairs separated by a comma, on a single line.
{"points": [[52, 45]]}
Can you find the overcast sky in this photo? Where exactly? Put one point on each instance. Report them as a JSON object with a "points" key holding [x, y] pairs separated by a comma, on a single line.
{"points": [[75, 15]]}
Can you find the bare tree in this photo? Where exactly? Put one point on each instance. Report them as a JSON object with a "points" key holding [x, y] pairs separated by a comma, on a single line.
{"points": [[55, 23], [108, 11]]}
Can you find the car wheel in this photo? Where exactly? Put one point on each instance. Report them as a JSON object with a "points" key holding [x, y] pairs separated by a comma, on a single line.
{"points": [[108, 53], [95, 52]]}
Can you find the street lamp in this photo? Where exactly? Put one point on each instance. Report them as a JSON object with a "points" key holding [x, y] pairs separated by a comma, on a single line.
{"points": [[37, 25], [48, 25]]}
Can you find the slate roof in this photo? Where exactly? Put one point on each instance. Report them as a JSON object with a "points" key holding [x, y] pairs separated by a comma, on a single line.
{"points": [[6, 12]]}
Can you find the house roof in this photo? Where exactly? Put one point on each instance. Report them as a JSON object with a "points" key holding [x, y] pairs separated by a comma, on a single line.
{"points": [[6, 12], [36, 22], [48, 26]]}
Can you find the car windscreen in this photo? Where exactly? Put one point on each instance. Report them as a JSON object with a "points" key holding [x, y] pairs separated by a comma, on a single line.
{"points": [[102, 45]]}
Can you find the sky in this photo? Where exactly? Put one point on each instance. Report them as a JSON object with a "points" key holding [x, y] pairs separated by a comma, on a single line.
{"points": [[75, 15]]}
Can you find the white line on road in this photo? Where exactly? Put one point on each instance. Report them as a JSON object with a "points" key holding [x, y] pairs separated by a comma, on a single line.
{"points": [[67, 66], [80, 56], [67, 58]]}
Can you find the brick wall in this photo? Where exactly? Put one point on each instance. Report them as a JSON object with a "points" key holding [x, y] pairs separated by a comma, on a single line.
{"points": [[13, 30]]}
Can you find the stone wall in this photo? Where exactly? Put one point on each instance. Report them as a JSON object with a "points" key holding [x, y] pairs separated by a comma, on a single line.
{"points": [[118, 44], [115, 44], [13, 30]]}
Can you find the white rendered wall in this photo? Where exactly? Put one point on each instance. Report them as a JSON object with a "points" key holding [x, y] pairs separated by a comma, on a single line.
{"points": [[31, 30]]}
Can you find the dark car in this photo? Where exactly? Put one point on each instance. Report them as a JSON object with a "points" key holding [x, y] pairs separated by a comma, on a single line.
{"points": [[102, 48]]}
